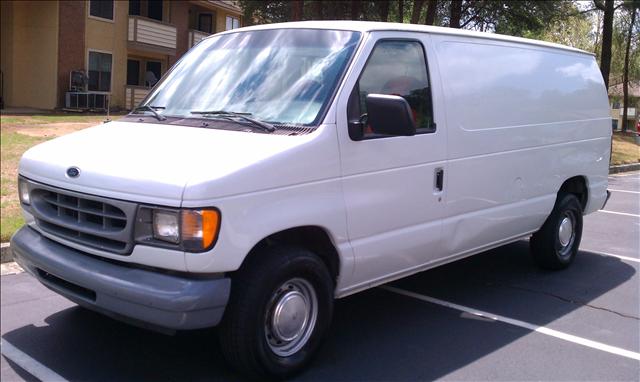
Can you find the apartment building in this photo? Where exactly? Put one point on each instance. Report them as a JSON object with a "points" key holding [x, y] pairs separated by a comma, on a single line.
{"points": [[124, 47], [617, 109]]}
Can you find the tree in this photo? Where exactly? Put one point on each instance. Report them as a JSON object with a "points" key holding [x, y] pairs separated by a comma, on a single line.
{"points": [[417, 10], [575, 31], [455, 14], [516, 18], [432, 7], [317, 10], [632, 7], [607, 33], [525, 18], [297, 10], [400, 11], [261, 12], [383, 9], [356, 9]]}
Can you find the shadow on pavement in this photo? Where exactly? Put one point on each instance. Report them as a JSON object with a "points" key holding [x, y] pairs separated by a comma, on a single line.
{"points": [[376, 335]]}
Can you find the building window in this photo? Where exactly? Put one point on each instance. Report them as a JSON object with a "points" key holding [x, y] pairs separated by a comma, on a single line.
{"points": [[101, 8], [99, 71], [134, 7], [133, 72], [205, 22], [154, 9], [232, 23], [152, 74]]}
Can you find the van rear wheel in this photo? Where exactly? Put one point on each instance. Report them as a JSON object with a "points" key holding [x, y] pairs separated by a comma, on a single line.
{"points": [[556, 244], [280, 309]]}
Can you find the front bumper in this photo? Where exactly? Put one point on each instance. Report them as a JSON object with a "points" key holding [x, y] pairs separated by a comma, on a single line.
{"points": [[137, 295]]}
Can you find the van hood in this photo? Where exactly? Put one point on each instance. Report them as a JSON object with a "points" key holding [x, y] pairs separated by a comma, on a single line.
{"points": [[153, 163]]}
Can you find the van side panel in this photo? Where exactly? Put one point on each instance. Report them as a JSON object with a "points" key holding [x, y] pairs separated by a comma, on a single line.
{"points": [[520, 121]]}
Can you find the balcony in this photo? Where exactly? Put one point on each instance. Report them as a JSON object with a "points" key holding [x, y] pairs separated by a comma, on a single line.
{"points": [[631, 112], [196, 36], [151, 36], [133, 95]]}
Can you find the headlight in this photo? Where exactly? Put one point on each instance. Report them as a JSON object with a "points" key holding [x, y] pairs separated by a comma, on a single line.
{"points": [[166, 226], [23, 190], [191, 230]]}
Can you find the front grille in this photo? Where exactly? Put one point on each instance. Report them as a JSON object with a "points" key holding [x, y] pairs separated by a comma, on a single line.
{"points": [[97, 222]]}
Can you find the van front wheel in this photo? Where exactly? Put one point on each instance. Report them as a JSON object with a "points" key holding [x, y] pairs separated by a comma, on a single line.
{"points": [[280, 309], [556, 244]]}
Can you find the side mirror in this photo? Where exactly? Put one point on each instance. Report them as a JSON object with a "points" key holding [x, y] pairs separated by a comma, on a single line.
{"points": [[356, 128], [390, 115]]}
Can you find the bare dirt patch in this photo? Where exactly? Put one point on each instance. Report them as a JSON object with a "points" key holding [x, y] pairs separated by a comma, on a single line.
{"points": [[51, 130]]}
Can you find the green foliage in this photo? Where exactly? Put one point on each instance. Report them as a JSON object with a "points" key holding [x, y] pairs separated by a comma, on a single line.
{"points": [[520, 18], [576, 31], [620, 36], [265, 12], [567, 22]]}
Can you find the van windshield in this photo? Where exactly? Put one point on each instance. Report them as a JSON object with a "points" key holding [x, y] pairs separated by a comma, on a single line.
{"points": [[279, 76]]}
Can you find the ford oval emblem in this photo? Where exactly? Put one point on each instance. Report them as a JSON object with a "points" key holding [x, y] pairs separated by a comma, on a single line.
{"points": [[73, 172]]}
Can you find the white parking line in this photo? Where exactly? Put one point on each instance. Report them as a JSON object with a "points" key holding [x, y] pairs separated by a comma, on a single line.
{"points": [[29, 364], [539, 329], [619, 213], [630, 192], [626, 258]]}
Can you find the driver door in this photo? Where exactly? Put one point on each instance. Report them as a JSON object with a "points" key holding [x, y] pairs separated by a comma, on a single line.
{"points": [[393, 185]]}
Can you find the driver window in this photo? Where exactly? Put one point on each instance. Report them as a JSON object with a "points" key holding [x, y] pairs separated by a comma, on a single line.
{"points": [[397, 67]]}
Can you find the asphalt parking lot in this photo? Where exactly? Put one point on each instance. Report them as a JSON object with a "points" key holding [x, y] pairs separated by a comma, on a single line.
{"points": [[494, 316]]}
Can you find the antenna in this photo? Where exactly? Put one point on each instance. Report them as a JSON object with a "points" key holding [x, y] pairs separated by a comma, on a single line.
{"points": [[108, 107]]}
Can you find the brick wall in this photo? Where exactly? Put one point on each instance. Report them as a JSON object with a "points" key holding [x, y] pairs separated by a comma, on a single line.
{"points": [[71, 32], [180, 18]]}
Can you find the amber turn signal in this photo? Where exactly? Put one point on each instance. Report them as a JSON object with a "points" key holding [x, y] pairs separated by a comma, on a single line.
{"points": [[200, 229]]}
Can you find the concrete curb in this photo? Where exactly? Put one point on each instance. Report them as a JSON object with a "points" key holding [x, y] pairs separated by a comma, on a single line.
{"points": [[624, 168], [5, 253], [10, 268]]}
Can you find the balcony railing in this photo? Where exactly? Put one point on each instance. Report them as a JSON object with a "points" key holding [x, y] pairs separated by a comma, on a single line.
{"points": [[196, 36], [133, 95], [151, 33], [631, 112]]}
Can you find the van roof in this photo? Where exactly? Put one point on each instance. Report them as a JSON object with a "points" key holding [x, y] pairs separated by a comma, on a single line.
{"points": [[370, 26]]}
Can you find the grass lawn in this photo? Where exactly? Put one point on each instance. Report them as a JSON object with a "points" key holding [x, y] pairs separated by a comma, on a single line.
{"points": [[625, 150], [13, 144], [18, 133], [15, 120]]}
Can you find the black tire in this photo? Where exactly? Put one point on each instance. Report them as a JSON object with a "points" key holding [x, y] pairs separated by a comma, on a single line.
{"points": [[550, 248], [255, 290]]}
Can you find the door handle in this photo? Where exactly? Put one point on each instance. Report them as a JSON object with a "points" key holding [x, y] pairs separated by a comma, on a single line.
{"points": [[439, 179]]}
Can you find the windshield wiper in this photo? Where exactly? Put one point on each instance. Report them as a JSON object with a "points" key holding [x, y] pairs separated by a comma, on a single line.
{"points": [[151, 109], [229, 115]]}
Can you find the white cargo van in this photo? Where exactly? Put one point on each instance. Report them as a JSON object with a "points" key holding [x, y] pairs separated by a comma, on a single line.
{"points": [[278, 167]]}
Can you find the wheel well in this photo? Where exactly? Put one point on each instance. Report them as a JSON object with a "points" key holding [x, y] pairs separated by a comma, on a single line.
{"points": [[313, 238], [577, 186]]}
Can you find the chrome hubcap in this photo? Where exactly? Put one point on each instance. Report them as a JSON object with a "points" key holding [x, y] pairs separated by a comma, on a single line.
{"points": [[291, 317], [565, 231]]}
